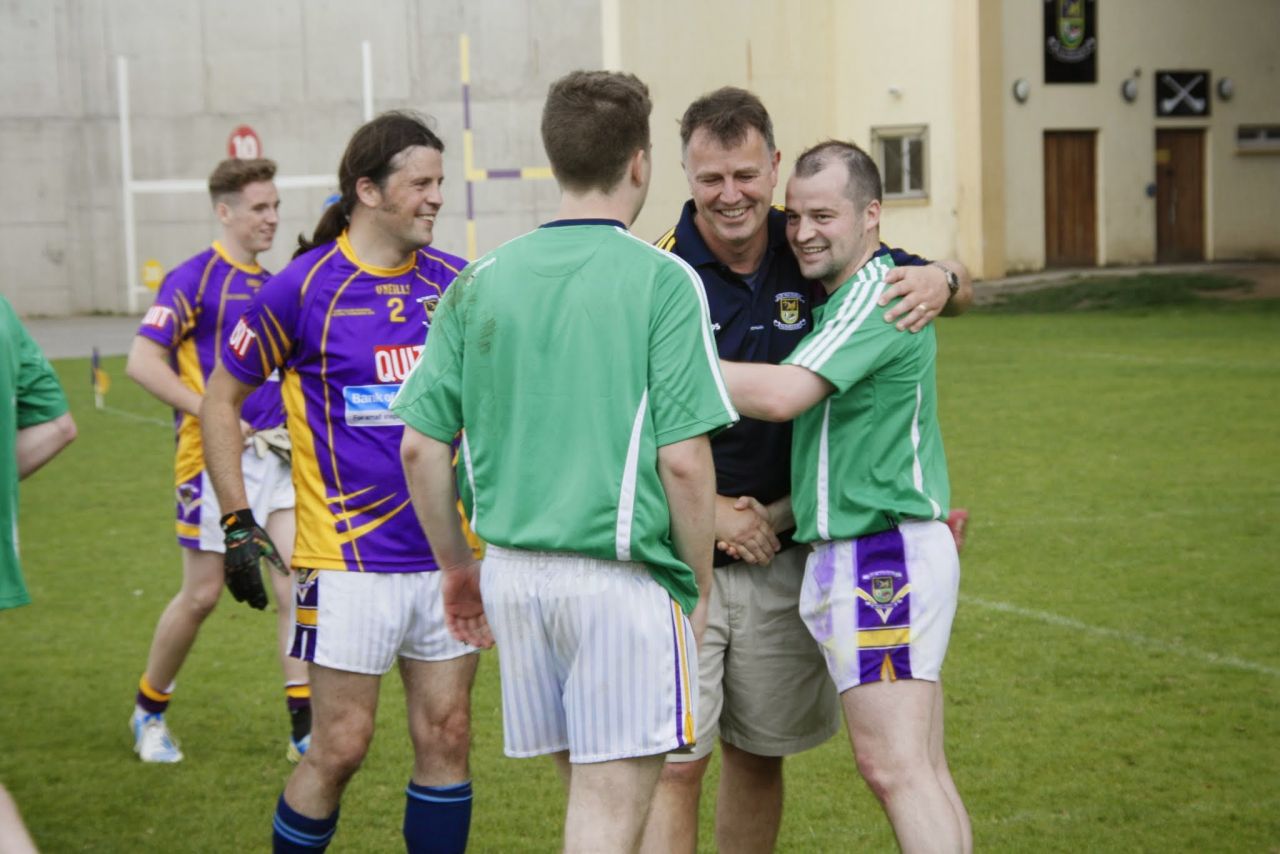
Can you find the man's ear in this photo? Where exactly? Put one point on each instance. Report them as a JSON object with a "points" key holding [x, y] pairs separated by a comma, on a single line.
{"points": [[368, 192], [222, 211], [636, 168], [873, 214]]}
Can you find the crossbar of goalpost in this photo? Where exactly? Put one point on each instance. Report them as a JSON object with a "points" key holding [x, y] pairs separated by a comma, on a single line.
{"points": [[176, 186]]}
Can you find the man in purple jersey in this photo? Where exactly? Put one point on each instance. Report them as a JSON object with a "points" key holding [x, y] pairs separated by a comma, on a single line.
{"points": [[344, 323], [172, 357]]}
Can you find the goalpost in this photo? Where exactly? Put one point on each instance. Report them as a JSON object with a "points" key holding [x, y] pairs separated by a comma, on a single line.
{"points": [[177, 186]]}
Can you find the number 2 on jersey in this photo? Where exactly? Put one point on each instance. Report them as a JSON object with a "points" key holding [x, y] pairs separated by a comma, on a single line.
{"points": [[397, 309]]}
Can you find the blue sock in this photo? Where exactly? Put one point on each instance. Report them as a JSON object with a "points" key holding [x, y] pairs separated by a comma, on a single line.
{"points": [[437, 819], [292, 833]]}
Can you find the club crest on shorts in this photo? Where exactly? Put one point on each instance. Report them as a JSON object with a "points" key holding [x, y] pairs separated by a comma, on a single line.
{"points": [[188, 497], [306, 581], [789, 317], [877, 590]]}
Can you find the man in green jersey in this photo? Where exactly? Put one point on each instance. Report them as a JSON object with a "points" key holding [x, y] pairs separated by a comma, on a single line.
{"points": [[869, 490], [579, 360], [35, 425]]}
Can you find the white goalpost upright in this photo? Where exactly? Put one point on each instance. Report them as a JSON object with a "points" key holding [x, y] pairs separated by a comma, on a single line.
{"points": [[161, 186]]}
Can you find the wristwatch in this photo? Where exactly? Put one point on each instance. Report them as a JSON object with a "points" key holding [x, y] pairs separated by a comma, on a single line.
{"points": [[953, 281]]}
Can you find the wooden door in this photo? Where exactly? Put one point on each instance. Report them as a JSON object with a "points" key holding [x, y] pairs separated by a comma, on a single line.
{"points": [[1070, 199], [1179, 195]]}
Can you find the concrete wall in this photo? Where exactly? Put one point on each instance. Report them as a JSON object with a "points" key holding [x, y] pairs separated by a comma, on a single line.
{"points": [[1232, 39], [291, 70], [288, 68]]}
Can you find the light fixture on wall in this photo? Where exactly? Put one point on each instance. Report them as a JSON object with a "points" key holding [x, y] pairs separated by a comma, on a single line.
{"points": [[1226, 88], [1021, 90], [1129, 89]]}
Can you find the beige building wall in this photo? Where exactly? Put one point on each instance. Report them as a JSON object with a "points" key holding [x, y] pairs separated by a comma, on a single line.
{"points": [[1231, 39], [781, 51], [888, 82], [829, 69]]}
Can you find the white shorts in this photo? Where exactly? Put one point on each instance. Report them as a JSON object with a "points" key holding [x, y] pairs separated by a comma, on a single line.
{"points": [[881, 606], [361, 622], [595, 657], [268, 483]]}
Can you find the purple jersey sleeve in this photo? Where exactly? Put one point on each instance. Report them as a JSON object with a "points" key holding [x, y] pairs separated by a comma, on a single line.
{"points": [[263, 338], [172, 317]]}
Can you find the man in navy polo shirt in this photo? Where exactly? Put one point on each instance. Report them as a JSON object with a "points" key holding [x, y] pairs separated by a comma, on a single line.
{"points": [[762, 680]]}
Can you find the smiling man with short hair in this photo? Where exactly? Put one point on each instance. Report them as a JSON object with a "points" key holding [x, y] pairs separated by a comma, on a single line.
{"points": [[869, 491]]}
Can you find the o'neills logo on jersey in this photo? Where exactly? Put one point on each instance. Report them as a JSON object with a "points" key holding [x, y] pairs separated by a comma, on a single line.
{"points": [[158, 316], [393, 364], [241, 337]]}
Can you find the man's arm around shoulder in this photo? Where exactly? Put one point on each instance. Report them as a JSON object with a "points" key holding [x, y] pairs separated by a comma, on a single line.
{"points": [[926, 294]]}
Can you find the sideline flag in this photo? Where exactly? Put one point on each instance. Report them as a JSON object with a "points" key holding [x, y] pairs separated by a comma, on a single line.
{"points": [[100, 379]]}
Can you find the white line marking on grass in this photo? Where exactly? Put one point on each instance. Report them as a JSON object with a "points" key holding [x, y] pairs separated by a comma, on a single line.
{"points": [[1155, 360], [1128, 637], [1188, 513], [111, 410]]}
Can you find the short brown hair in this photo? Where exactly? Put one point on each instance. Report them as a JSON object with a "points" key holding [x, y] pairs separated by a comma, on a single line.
{"points": [[864, 176], [232, 175], [727, 114], [592, 124]]}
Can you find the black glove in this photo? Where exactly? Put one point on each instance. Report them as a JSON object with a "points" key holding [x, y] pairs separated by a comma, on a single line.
{"points": [[248, 548]]}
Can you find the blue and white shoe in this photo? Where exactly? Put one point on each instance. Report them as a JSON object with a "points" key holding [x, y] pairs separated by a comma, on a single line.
{"points": [[151, 739], [297, 747]]}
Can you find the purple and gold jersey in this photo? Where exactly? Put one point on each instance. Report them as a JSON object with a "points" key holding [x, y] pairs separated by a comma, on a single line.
{"points": [[345, 335], [197, 306]]}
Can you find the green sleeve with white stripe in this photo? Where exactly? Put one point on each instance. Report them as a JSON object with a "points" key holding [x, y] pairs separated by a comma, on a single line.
{"points": [[687, 394], [851, 341]]}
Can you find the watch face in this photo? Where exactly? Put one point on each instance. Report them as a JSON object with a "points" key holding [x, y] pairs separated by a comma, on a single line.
{"points": [[953, 281]]}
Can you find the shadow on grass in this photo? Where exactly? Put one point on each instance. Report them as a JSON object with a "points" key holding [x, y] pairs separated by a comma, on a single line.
{"points": [[1134, 293]]}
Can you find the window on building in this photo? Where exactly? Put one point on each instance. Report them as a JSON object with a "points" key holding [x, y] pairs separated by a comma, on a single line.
{"points": [[902, 153], [1258, 138]]}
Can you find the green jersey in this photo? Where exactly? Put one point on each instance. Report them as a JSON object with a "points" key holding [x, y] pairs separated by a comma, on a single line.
{"points": [[29, 395], [870, 455], [570, 355]]}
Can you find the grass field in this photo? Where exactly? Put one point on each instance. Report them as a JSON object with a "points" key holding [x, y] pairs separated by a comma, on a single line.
{"points": [[1113, 680]]}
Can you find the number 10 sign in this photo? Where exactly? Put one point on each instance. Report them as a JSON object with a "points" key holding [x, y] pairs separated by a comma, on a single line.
{"points": [[244, 143]]}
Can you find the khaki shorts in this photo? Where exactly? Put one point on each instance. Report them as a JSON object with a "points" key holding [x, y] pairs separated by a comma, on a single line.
{"points": [[762, 681]]}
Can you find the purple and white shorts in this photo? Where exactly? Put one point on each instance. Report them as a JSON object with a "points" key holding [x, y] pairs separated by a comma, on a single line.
{"points": [[881, 606]]}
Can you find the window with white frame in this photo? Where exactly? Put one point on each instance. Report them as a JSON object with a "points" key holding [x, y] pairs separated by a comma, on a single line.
{"points": [[1258, 138], [902, 153]]}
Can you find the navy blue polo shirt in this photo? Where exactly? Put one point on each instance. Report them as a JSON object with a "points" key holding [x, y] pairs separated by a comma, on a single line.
{"points": [[760, 323]]}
